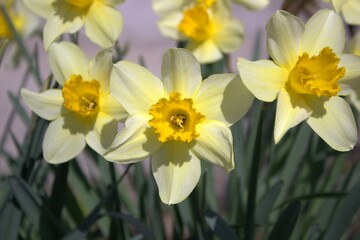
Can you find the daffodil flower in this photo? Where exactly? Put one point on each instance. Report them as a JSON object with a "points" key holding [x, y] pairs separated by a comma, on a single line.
{"points": [[177, 120], [308, 75], [83, 111], [350, 9], [206, 25], [103, 23]]}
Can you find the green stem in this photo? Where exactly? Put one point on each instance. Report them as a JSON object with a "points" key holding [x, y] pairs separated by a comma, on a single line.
{"points": [[253, 178]]}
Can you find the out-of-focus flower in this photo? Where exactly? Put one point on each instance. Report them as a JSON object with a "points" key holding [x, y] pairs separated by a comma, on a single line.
{"points": [[23, 20], [177, 120], [308, 75], [206, 25], [350, 9], [254, 5], [103, 23], [83, 111], [354, 48]]}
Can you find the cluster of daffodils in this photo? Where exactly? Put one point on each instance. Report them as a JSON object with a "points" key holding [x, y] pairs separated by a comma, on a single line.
{"points": [[180, 119], [207, 26]]}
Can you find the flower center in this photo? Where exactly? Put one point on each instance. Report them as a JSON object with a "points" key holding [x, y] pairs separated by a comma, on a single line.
{"points": [[196, 23], [81, 3], [318, 75], [175, 118], [81, 96]]}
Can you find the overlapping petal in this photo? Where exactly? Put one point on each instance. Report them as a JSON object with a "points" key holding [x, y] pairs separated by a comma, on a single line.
{"points": [[263, 78], [100, 69], [176, 171], [103, 24], [284, 32], [134, 142], [62, 143], [324, 29], [215, 144], [135, 87], [185, 77], [66, 59], [205, 52], [351, 80], [217, 95], [291, 110], [112, 107], [334, 122], [47, 104]]}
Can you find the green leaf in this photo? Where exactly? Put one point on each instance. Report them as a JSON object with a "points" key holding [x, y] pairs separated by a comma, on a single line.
{"points": [[19, 108], [344, 214], [286, 222], [219, 226], [10, 219]]}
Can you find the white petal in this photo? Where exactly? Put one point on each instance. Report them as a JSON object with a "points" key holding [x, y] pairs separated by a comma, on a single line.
{"points": [[205, 52], [62, 143], [181, 72], [254, 5], [134, 142], [334, 122], [42, 8], [284, 32], [230, 36], [112, 107], [223, 97], [66, 59], [169, 26], [176, 171], [355, 99], [351, 12], [290, 111], [47, 104], [351, 80], [263, 78], [100, 69], [337, 4], [215, 144], [135, 87], [66, 21], [103, 133], [164, 8], [103, 24], [324, 29]]}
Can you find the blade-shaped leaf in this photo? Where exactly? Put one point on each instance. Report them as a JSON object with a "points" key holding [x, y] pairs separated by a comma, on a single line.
{"points": [[219, 226]]}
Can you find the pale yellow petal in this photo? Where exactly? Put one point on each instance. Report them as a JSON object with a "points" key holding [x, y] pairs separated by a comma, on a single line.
{"points": [[215, 144], [103, 133], [324, 29], [355, 99], [253, 5], [351, 12], [290, 111], [351, 80], [176, 171], [100, 69], [112, 107], [229, 36], [205, 52], [61, 143], [263, 78], [57, 24], [284, 32], [135, 87], [181, 72], [168, 26], [66, 59], [103, 24], [134, 142], [42, 8], [47, 104], [337, 4], [334, 122], [224, 98], [164, 8]]}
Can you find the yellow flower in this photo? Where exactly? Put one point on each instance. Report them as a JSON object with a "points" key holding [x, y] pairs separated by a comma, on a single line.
{"points": [[83, 111], [308, 75], [350, 9], [206, 25], [177, 120], [103, 23]]}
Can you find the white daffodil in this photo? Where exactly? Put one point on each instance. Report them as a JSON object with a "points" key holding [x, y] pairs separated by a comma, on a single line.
{"points": [[308, 75], [177, 120], [206, 25], [103, 23], [350, 9], [83, 111]]}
